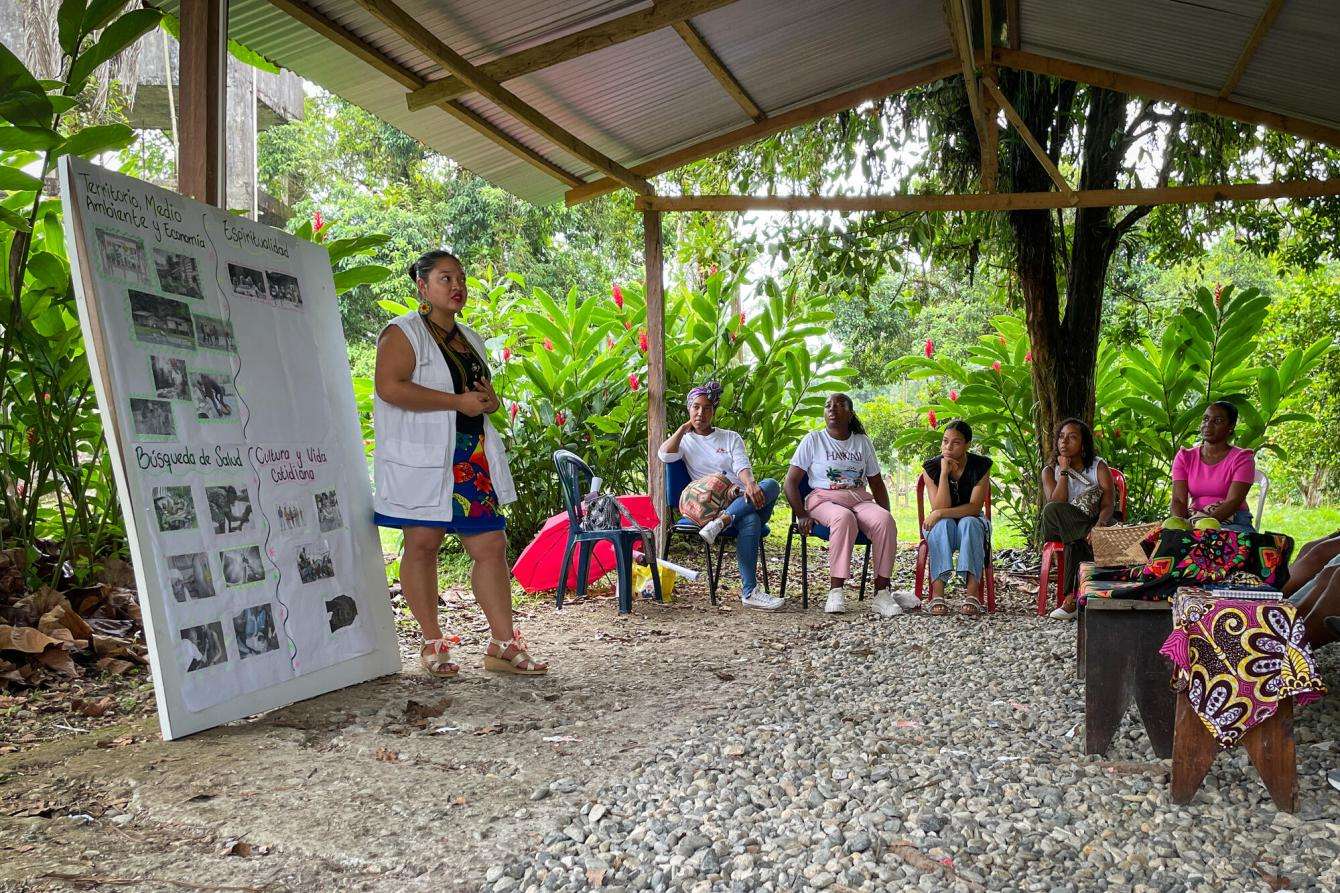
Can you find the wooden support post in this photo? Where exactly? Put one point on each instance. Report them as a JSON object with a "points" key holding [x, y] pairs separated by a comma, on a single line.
{"points": [[1026, 135], [201, 162], [655, 263], [961, 40]]}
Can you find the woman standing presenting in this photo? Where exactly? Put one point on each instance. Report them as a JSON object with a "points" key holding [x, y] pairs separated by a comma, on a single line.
{"points": [[440, 466]]}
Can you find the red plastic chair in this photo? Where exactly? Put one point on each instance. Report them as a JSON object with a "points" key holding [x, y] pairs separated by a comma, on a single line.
{"points": [[1053, 552], [924, 548]]}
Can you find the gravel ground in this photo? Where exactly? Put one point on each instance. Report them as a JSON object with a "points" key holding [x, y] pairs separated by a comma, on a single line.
{"points": [[934, 753]]}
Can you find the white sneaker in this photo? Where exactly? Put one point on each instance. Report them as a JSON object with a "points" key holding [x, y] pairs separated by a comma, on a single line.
{"points": [[836, 603], [908, 601], [1062, 614], [712, 529], [760, 599], [885, 605]]}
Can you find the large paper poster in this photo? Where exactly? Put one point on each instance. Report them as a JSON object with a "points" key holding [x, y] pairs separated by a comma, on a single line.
{"points": [[224, 387]]}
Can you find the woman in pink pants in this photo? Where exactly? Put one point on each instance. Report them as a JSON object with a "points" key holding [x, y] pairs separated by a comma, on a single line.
{"points": [[839, 462]]}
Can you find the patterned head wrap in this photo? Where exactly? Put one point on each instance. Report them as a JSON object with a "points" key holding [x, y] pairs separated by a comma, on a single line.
{"points": [[711, 390]]}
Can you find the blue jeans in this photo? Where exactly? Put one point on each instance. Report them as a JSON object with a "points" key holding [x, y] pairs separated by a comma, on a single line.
{"points": [[748, 525], [1241, 522], [967, 536]]}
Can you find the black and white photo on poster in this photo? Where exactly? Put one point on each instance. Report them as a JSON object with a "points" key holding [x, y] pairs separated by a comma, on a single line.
{"points": [[215, 334], [174, 508], [160, 320], [152, 419], [178, 273], [254, 629], [230, 509], [341, 611], [215, 396], [169, 375], [248, 283], [242, 566], [203, 646], [291, 515], [284, 289], [189, 576], [123, 257], [328, 511], [314, 562]]}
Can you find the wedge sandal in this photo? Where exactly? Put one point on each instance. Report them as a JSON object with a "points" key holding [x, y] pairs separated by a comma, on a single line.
{"points": [[435, 657], [512, 657]]}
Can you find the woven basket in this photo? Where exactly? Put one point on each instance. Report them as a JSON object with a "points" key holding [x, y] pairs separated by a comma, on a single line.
{"points": [[1119, 546]]}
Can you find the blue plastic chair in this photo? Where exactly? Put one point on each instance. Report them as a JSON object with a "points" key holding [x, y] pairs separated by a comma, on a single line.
{"points": [[822, 533], [574, 478], [676, 479]]}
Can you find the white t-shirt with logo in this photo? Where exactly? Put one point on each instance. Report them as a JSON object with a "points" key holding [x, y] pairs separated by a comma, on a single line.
{"points": [[835, 464], [721, 452]]}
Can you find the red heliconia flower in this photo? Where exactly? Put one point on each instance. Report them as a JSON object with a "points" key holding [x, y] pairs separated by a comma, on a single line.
{"points": [[742, 319], [609, 342], [32, 437], [20, 489], [712, 270], [1116, 432], [548, 344], [642, 341], [618, 295], [560, 418], [1001, 339], [953, 395], [1218, 293], [507, 354], [995, 367], [627, 326], [633, 381], [1028, 357], [513, 410], [930, 417], [930, 348], [318, 222]]}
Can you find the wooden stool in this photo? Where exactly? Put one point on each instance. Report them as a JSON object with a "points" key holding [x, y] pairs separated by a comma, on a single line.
{"points": [[1269, 747], [1122, 638]]}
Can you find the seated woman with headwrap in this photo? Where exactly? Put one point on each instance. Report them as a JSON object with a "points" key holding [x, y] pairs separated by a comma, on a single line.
{"points": [[706, 450]]}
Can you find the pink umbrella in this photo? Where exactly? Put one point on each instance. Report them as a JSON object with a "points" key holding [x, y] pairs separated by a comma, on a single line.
{"points": [[538, 566]]}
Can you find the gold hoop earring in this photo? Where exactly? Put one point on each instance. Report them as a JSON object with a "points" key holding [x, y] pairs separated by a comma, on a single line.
{"points": [[425, 308]]}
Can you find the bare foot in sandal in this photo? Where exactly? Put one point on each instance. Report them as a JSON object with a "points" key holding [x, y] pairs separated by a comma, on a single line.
{"points": [[512, 657], [435, 657]]}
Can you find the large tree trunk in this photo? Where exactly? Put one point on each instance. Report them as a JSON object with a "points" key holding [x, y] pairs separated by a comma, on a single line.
{"points": [[1063, 339]]}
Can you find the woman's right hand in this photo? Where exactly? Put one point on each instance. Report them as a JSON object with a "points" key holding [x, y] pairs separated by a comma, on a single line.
{"points": [[472, 403]]}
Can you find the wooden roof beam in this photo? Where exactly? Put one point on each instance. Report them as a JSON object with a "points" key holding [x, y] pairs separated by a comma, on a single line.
{"points": [[712, 62], [562, 49], [351, 43], [998, 201], [1144, 87], [425, 42], [925, 74], [1026, 135], [1263, 25], [958, 33]]}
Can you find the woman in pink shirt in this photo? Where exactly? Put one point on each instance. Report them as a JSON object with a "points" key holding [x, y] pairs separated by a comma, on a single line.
{"points": [[1212, 479]]}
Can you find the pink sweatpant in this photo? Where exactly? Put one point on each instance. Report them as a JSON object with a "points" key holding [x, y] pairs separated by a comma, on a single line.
{"points": [[844, 512]]}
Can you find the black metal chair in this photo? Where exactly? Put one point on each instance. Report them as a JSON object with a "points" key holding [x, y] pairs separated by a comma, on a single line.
{"points": [[574, 478], [676, 479], [823, 533]]}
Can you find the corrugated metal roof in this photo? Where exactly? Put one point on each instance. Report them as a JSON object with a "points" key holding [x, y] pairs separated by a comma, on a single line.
{"points": [[645, 97]]}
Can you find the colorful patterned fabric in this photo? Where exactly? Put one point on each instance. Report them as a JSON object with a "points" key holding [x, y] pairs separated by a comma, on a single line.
{"points": [[1237, 658], [475, 504], [1184, 557]]}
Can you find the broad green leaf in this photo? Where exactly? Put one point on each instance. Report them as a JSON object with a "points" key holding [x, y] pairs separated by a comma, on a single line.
{"points": [[100, 12], [116, 37], [69, 19], [92, 141], [16, 180], [366, 274], [28, 137]]}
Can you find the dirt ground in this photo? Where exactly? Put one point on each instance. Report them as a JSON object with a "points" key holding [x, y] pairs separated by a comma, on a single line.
{"points": [[402, 783]]}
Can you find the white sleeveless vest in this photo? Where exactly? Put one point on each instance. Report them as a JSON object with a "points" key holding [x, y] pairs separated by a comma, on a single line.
{"points": [[412, 458]]}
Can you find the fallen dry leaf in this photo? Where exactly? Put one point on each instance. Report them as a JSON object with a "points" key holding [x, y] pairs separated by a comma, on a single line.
{"points": [[387, 755], [123, 741], [93, 708], [62, 616], [25, 639], [58, 659], [723, 675], [426, 709], [235, 847], [1272, 880]]}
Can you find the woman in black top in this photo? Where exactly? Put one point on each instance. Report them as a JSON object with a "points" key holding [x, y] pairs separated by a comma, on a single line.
{"points": [[957, 482]]}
